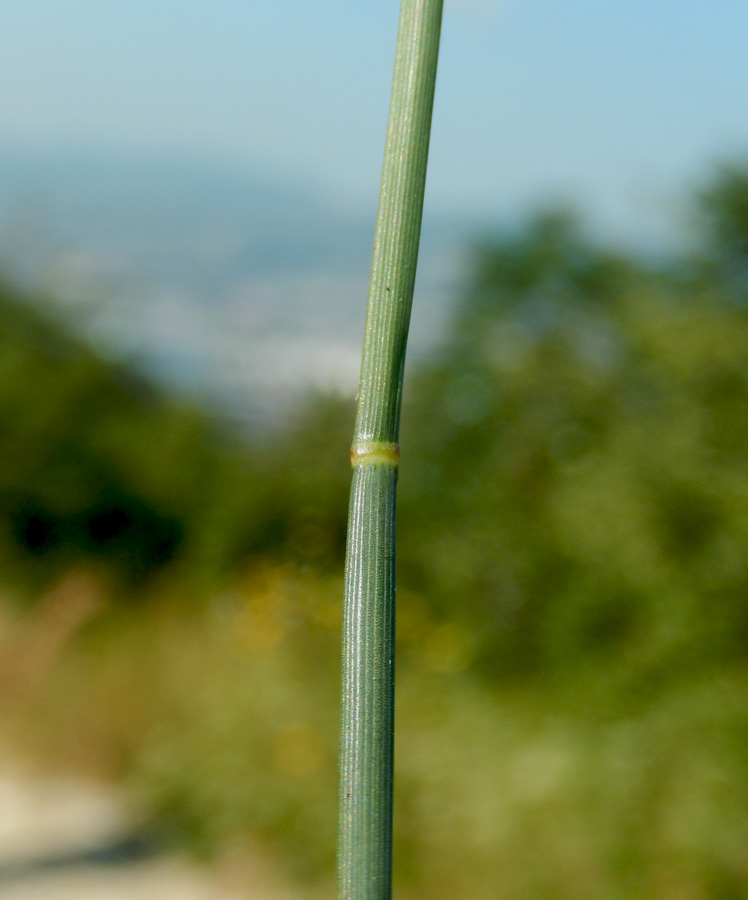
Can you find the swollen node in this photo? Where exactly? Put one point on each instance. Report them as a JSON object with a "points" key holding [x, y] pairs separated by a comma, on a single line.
{"points": [[374, 453]]}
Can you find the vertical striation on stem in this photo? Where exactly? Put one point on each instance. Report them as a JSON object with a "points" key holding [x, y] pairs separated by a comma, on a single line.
{"points": [[366, 763]]}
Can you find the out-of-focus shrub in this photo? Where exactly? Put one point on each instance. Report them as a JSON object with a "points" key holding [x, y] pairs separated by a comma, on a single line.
{"points": [[576, 463], [99, 466]]}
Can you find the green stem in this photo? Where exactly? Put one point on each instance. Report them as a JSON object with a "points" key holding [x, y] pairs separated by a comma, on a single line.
{"points": [[365, 837]]}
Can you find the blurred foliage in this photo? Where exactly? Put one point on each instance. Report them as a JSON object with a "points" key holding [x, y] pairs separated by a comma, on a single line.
{"points": [[587, 429], [98, 465], [573, 600]]}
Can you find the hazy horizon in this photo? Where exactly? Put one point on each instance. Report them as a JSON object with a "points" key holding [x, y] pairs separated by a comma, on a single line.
{"points": [[273, 116], [616, 107]]}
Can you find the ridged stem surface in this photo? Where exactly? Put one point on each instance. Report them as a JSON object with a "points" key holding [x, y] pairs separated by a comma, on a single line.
{"points": [[366, 768]]}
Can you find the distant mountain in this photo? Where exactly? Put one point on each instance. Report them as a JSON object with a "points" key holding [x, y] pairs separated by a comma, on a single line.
{"points": [[242, 289]]}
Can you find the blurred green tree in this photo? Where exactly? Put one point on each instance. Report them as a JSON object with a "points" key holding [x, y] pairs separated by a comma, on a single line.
{"points": [[722, 214], [579, 453]]}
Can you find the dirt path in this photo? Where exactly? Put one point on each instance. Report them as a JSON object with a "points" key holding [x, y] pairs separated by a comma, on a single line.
{"points": [[66, 839]]}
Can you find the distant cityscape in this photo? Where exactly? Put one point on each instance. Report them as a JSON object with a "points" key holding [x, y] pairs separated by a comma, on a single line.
{"points": [[243, 293]]}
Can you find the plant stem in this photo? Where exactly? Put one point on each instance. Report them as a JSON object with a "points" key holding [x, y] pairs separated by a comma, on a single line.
{"points": [[365, 835]]}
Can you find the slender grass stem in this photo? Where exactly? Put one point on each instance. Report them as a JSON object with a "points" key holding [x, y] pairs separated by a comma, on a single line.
{"points": [[366, 766]]}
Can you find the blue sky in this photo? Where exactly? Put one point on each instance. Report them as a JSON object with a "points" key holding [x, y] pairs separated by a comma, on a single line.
{"points": [[620, 105]]}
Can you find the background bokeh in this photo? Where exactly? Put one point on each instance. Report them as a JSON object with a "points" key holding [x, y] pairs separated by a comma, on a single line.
{"points": [[178, 345], [572, 604]]}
